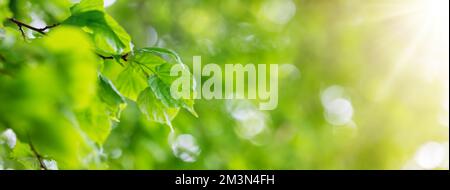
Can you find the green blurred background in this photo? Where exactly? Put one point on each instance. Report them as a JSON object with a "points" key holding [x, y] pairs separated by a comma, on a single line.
{"points": [[363, 84]]}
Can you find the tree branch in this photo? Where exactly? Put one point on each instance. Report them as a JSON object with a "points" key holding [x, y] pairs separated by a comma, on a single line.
{"points": [[39, 30], [42, 31], [123, 57]]}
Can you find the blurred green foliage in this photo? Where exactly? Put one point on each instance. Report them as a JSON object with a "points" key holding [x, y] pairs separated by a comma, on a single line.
{"points": [[360, 87]]}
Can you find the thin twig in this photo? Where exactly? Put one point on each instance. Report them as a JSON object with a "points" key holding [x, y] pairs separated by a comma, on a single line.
{"points": [[104, 57], [38, 156], [42, 31], [50, 26], [22, 32], [123, 57], [39, 30]]}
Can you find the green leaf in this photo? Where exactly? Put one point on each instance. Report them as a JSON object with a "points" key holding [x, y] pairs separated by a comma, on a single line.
{"points": [[161, 83], [162, 91], [108, 36], [23, 154], [87, 5], [156, 102], [165, 52], [154, 109], [111, 97], [95, 122], [147, 59], [60, 79], [158, 69], [131, 81], [4, 11], [49, 11], [75, 63]]}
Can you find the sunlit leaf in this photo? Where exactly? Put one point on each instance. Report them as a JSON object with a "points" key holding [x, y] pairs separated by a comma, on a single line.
{"points": [[147, 60], [154, 109], [160, 80], [23, 154], [161, 83], [4, 11], [41, 99], [111, 97], [76, 64], [165, 52], [95, 122], [108, 36], [131, 82]]}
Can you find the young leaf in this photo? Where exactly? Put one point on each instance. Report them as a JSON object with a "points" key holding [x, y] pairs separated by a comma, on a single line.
{"points": [[87, 5], [4, 11], [108, 36], [111, 97], [131, 82], [147, 60], [154, 109], [161, 82], [77, 65], [162, 91], [164, 52], [45, 95], [23, 154], [95, 122]]}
